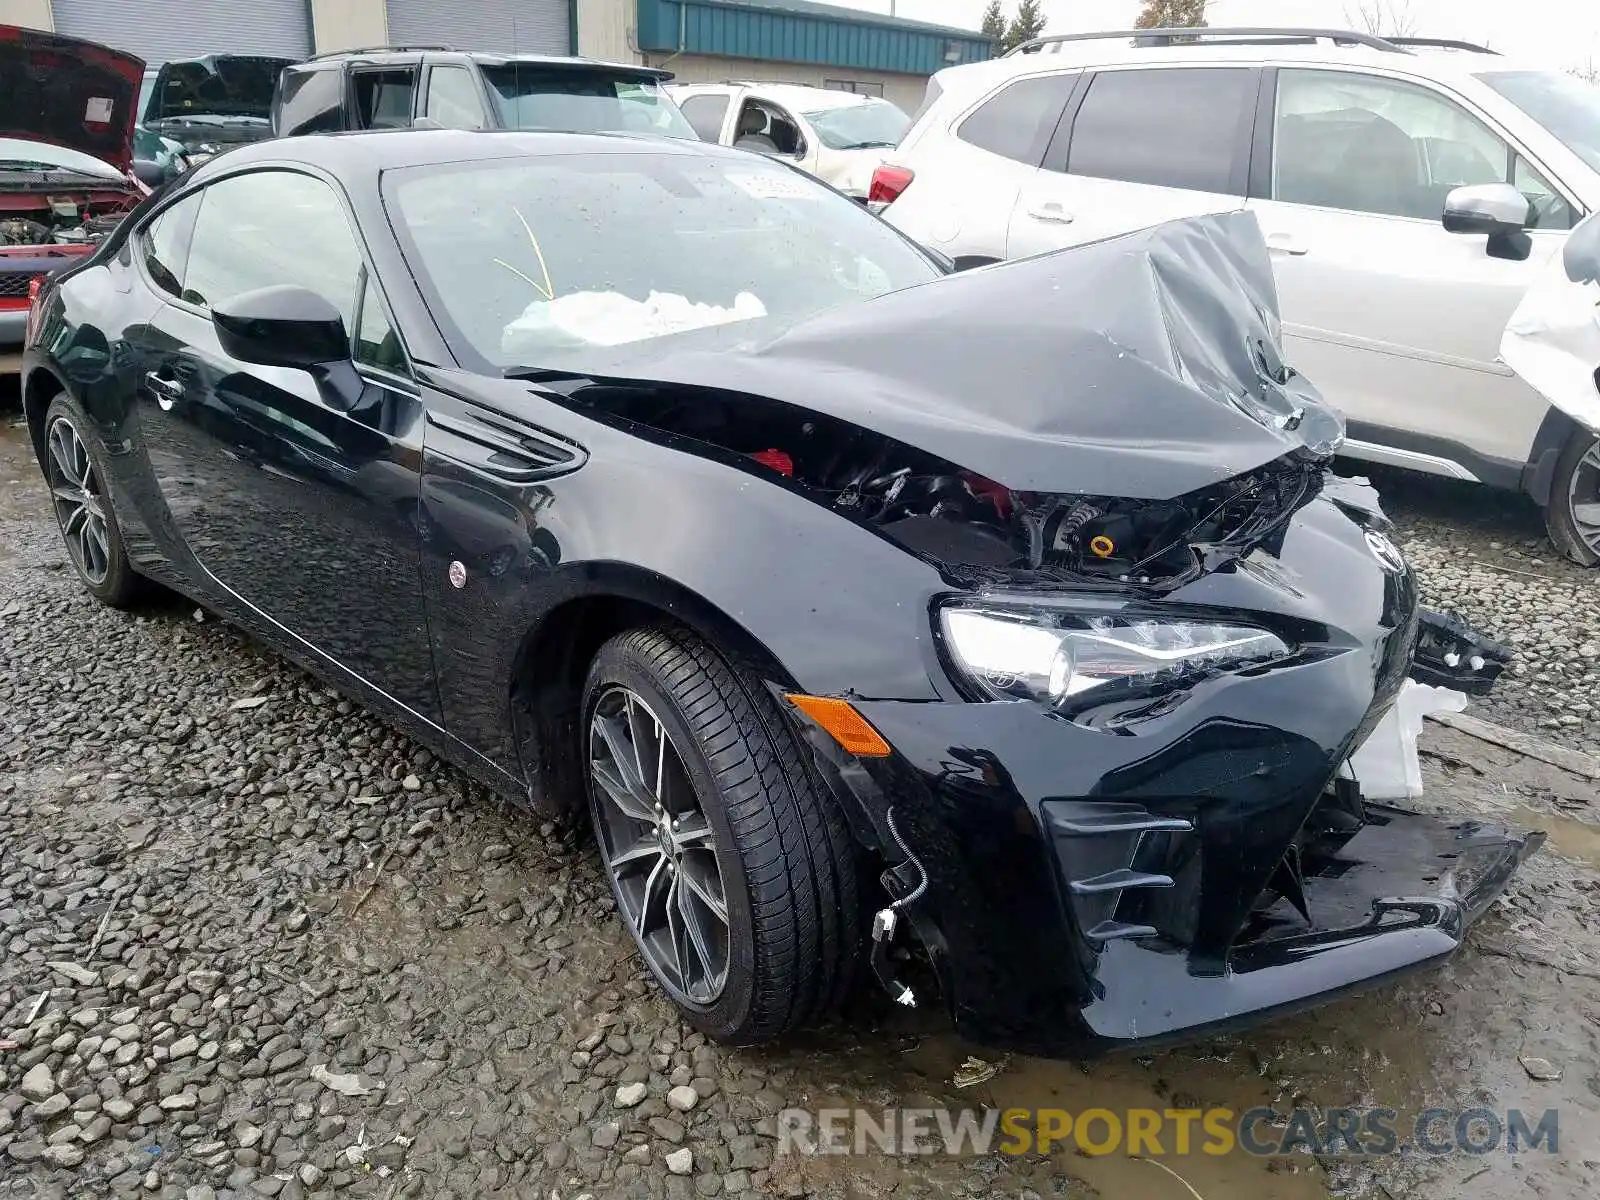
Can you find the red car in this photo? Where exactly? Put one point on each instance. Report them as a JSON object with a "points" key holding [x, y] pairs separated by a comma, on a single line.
{"points": [[67, 111]]}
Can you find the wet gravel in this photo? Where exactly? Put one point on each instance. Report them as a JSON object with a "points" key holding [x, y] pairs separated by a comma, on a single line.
{"points": [[253, 943]]}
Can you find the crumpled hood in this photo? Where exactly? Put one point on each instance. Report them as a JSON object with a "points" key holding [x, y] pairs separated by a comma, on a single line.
{"points": [[69, 93], [1553, 338], [1146, 366]]}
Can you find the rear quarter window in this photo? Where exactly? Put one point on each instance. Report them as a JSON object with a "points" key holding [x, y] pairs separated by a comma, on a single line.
{"points": [[1017, 122]]}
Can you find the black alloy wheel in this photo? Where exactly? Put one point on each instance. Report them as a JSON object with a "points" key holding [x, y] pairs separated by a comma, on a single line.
{"points": [[733, 870], [89, 528]]}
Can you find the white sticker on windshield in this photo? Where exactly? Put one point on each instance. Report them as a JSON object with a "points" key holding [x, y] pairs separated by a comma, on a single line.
{"points": [[772, 186], [98, 110]]}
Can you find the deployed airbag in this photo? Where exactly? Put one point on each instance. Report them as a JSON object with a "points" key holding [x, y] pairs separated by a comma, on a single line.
{"points": [[1553, 339]]}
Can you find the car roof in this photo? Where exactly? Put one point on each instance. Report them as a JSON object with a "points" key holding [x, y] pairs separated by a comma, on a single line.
{"points": [[1445, 65], [381, 54], [357, 153]]}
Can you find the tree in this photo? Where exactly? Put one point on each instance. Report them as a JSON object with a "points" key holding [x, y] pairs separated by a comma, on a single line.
{"points": [[1383, 18], [1026, 25], [994, 21], [1588, 72], [1172, 14]]}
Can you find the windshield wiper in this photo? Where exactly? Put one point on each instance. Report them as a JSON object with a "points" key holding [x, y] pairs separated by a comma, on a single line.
{"points": [[869, 145]]}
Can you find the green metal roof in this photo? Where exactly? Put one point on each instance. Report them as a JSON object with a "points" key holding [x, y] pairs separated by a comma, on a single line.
{"points": [[800, 31]]}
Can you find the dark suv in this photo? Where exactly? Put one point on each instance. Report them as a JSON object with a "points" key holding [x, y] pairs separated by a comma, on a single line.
{"points": [[399, 87]]}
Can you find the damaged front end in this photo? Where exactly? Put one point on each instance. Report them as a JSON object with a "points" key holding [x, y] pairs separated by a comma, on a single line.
{"points": [[1163, 631]]}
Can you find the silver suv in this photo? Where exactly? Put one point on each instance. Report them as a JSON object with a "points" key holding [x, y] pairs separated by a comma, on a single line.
{"points": [[1409, 191]]}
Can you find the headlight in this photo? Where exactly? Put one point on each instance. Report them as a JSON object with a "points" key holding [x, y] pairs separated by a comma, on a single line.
{"points": [[1057, 656]]}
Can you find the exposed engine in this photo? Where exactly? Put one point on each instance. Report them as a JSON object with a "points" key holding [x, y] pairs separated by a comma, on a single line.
{"points": [[961, 520], [59, 222]]}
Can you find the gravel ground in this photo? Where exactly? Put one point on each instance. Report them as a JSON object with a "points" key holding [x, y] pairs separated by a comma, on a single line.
{"points": [[1485, 555], [252, 943]]}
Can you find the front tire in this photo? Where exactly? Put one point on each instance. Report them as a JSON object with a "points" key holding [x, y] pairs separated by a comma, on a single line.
{"points": [[734, 872], [75, 471], [1573, 515]]}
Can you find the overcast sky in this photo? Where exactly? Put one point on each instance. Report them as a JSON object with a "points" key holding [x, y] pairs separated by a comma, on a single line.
{"points": [[1559, 32]]}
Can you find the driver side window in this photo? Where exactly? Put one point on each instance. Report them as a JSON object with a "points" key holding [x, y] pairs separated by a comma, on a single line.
{"points": [[1374, 145], [272, 227]]}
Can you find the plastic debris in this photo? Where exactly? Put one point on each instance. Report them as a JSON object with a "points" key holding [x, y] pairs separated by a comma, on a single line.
{"points": [[976, 1070]]}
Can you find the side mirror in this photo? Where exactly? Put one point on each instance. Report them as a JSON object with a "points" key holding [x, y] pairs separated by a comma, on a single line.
{"points": [[1486, 208], [287, 326]]}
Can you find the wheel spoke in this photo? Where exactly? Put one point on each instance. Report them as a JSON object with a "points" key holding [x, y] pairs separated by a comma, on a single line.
{"points": [[74, 520], [618, 791], [624, 770], [61, 453], [675, 959], [692, 832], [656, 901], [91, 552], [704, 881], [696, 953], [1587, 515], [644, 732], [641, 851]]}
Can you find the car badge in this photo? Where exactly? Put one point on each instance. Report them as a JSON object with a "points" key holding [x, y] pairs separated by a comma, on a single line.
{"points": [[458, 574], [1385, 551]]}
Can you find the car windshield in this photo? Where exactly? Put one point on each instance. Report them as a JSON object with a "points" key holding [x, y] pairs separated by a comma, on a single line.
{"points": [[872, 124], [564, 261], [18, 154], [529, 96], [1565, 105]]}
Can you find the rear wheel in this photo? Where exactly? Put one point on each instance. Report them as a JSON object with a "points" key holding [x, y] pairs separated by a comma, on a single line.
{"points": [[1573, 514], [75, 472], [731, 868]]}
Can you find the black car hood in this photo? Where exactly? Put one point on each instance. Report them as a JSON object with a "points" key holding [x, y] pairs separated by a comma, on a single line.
{"points": [[70, 93], [238, 86], [1146, 366]]}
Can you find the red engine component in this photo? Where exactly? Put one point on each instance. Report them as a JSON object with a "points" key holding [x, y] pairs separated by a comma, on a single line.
{"points": [[775, 460]]}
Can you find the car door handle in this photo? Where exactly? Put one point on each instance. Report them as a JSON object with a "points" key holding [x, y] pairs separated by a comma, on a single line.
{"points": [[1050, 211], [166, 391], [1286, 243]]}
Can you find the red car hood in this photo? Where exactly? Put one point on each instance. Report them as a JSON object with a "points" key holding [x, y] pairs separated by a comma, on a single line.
{"points": [[69, 93]]}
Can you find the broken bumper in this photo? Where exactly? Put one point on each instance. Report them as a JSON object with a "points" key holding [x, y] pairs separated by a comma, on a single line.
{"points": [[1399, 895], [1205, 865]]}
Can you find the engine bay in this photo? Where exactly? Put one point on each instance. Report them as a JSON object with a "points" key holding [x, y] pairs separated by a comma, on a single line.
{"points": [[60, 220], [957, 519]]}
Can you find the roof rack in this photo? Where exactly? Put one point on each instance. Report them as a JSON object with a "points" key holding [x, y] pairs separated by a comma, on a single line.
{"points": [[1441, 44], [376, 50], [1181, 35]]}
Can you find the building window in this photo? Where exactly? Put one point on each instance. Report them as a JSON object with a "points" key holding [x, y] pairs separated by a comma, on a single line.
{"points": [[851, 85]]}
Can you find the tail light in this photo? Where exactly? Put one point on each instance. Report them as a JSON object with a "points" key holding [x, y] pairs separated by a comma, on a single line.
{"points": [[888, 182], [35, 308]]}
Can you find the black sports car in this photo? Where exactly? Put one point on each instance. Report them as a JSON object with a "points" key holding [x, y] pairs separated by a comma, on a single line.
{"points": [[1007, 622]]}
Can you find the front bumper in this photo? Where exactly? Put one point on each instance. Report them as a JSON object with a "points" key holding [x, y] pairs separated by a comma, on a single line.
{"points": [[1205, 867]]}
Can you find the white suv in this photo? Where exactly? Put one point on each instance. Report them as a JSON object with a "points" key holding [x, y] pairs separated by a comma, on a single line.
{"points": [[840, 137], [1409, 192]]}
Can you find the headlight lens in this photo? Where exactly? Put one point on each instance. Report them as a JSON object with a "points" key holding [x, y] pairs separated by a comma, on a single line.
{"points": [[1057, 656]]}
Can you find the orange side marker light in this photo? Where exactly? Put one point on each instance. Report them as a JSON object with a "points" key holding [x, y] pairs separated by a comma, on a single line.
{"points": [[846, 726]]}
